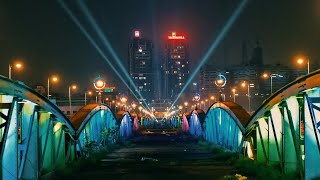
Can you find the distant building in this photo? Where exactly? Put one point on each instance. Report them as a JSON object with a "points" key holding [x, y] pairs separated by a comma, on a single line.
{"points": [[140, 65], [176, 65], [41, 89], [257, 56]]}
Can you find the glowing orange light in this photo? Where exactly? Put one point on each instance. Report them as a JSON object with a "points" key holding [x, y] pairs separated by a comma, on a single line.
{"points": [[300, 61], [54, 79], [265, 75], [212, 97], [90, 93], [74, 87], [233, 90], [18, 65], [243, 84], [99, 83]]}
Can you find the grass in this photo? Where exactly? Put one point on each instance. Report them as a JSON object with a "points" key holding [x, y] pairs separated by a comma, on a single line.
{"points": [[90, 162], [245, 166]]}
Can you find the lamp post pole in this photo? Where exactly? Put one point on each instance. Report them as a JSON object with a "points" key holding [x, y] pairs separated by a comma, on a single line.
{"points": [[308, 63], [48, 88], [249, 97], [70, 101], [10, 71]]}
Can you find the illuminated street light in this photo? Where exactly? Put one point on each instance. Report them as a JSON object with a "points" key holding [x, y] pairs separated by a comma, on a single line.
{"points": [[265, 75], [186, 105], [99, 84], [220, 82], [85, 96], [244, 84], [16, 65], [234, 94], [54, 79], [73, 87], [301, 61]]}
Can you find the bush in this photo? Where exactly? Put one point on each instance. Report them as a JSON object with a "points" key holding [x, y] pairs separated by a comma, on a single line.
{"points": [[257, 170]]}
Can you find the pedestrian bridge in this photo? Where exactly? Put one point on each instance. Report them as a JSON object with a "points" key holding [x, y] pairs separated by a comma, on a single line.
{"points": [[36, 137], [284, 131]]}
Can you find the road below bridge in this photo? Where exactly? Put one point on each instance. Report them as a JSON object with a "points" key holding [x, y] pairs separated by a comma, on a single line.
{"points": [[158, 156]]}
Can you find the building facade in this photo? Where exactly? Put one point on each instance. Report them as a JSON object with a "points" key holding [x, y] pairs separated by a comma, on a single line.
{"points": [[140, 65], [176, 65]]}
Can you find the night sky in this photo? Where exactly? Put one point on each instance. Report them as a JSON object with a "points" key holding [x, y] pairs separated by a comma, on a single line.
{"points": [[48, 42]]}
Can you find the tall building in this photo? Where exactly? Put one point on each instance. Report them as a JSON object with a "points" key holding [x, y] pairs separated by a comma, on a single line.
{"points": [[176, 65], [140, 65]]}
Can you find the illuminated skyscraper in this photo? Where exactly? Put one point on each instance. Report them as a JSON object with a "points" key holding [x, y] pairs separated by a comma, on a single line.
{"points": [[140, 65], [176, 65]]}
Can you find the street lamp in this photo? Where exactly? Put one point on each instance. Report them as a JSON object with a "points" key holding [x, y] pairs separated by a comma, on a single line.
{"points": [[301, 61], [244, 84], [16, 65], [73, 87], [54, 79], [196, 98], [234, 94], [85, 96], [99, 84], [186, 104], [265, 75], [220, 82], [123, 99]]}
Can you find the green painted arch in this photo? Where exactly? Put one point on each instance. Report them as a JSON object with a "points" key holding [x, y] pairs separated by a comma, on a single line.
{"points": [[22, 91], [299, 85]]}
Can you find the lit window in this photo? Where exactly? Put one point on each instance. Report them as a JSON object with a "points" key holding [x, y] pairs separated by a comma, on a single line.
{"points": [[182, 65]]}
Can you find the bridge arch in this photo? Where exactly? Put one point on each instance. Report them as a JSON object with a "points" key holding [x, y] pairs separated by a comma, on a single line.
{"points": [[35, 136], [285, 129], [94, 123], [224, 125]]}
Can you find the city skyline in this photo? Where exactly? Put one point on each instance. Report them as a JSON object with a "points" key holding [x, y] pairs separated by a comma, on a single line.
{"points": [[72, 57]]}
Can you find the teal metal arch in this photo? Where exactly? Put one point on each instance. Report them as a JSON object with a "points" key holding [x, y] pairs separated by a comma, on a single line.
{"points": [[94, 123], [224, 125], [285, 129], [195, 127], [35, 136], [126, 126]]}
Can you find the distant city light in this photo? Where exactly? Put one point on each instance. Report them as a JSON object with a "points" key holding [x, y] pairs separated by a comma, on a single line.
{"points": [[174, 36], [136, 33]]}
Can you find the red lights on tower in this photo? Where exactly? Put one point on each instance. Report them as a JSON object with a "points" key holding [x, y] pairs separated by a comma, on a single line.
{"points": [[136, 33], [174, 36]]}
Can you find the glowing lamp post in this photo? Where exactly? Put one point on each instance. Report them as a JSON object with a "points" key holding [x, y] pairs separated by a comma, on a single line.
{"points": [[265, 75], [73, 87], [301, 61], [196, 98], [85, 96], [123, 99], [99, 84], [16, 65], [220, 82], [186, 105], [244, 84], [234, 94], [54, 79]]}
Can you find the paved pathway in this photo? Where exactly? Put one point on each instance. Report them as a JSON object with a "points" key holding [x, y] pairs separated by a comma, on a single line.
{"points": [[159, 156]]}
